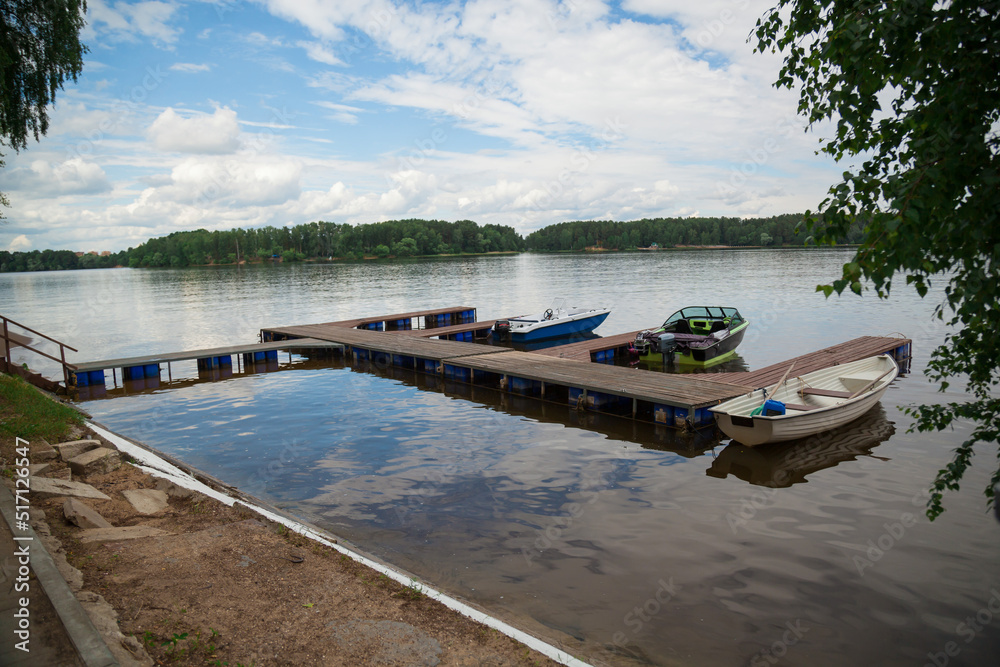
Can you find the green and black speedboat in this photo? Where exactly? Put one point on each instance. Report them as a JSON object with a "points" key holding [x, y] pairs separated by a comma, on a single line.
{"points": [[695, 335]]}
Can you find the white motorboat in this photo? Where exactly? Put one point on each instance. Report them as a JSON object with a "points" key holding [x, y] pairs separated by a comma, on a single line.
{"points": [[559, 321]]}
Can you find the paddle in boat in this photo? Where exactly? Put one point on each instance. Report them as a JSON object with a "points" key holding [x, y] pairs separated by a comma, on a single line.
{"points": [[695, 335], [558, 321], [806, 405]]}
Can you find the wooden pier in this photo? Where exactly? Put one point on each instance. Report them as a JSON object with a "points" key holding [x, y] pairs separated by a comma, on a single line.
{"points": [[133, 368], [565, 373], [414, 320], [604, 350], [670, 399], [852, 350]]}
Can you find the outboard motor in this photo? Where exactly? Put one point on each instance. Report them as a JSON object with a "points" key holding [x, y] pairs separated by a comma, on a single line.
{"points": [[502, 329], [666, 344]]}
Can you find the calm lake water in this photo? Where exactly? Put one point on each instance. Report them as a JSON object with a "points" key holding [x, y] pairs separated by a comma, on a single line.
{"points": [[629, 543]]}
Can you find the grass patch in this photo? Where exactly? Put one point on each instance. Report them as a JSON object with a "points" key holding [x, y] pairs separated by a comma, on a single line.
{"points": [[27, 413]]}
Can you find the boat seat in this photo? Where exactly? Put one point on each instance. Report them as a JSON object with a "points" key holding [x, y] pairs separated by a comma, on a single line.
{"points": [[832, 393], [799, 407], [718, 325]]}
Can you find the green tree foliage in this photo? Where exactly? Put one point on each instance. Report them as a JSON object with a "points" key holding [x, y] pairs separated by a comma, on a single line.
{"points": [[39, 49], [315, 240], [927, 174], [668, 232], [56, 260]]}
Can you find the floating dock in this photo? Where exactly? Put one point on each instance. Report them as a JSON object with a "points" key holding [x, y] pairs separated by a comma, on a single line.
{"points": [[440, 342], [91, 373], [660, 397], [565, 373], [417, 319], [852, 350]]}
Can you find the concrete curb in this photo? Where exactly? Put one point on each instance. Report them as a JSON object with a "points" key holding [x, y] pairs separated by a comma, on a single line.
{"points": [[82, 633]]}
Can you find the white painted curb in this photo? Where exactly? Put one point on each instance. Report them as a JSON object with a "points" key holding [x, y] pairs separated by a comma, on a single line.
{"points": [[154, 465]]}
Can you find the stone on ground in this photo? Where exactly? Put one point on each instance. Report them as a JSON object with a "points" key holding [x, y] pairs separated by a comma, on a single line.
{"points": [[46, 487], [83, 515], [172, 489], [147, 501], [96, 462], [35, 469], [42, 451], [72, 449], [62, 473]]}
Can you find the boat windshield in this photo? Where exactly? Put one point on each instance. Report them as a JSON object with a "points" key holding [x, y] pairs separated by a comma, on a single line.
{"points": [[704, 313]]}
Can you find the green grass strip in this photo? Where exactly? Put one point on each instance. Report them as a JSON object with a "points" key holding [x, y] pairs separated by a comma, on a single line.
{"points": [[27, 413]]}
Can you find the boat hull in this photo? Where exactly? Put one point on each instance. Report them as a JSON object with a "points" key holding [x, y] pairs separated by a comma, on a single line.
{"points": [[559, 328], [824, 413], [717, 353], [706, 356]]}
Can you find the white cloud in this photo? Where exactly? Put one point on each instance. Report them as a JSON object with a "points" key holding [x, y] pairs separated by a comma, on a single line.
{"points": [[20, 243], [216, 134], [243, 180], [132, 22], [320, 53], [71, 177], [190, 68], [342, 113]]}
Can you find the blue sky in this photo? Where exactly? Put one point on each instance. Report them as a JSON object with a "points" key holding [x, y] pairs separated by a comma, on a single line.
{"points": [[200, 114]]}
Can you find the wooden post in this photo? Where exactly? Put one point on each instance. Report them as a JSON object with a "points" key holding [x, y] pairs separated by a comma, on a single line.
{"points": [[62, 354], [6, 344]]}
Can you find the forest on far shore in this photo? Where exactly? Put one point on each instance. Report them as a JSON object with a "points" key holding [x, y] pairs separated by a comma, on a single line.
{"points": [[328, 241]]}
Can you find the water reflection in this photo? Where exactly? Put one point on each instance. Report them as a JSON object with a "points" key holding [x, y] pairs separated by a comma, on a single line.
{"points": [[522, 537], [782, 464], [183, 375], [733, 364]]}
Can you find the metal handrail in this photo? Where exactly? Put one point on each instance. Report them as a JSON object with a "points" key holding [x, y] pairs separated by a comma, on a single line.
{"points": [[62, 348], [37, 333]]}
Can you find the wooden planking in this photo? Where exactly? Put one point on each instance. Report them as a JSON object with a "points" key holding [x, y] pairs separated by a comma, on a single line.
{"points": [[451, 329], [350, 324], [852, 350], [388, 342], [581, 351], [681, 390], [201, 354]]}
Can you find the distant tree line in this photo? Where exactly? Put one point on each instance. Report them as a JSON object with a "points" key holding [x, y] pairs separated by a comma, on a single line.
{"points": [[325, 240], [312, 241], [416, 238], [58, 260], [671, 232]]}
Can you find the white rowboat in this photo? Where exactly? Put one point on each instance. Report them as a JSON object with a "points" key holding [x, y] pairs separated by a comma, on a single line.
{"points": [[812, 403]]}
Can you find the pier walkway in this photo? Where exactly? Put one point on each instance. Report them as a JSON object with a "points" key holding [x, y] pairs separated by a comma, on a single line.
{"points": [[92, 372], [665, 398], [562, 373], [852, 350]]}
